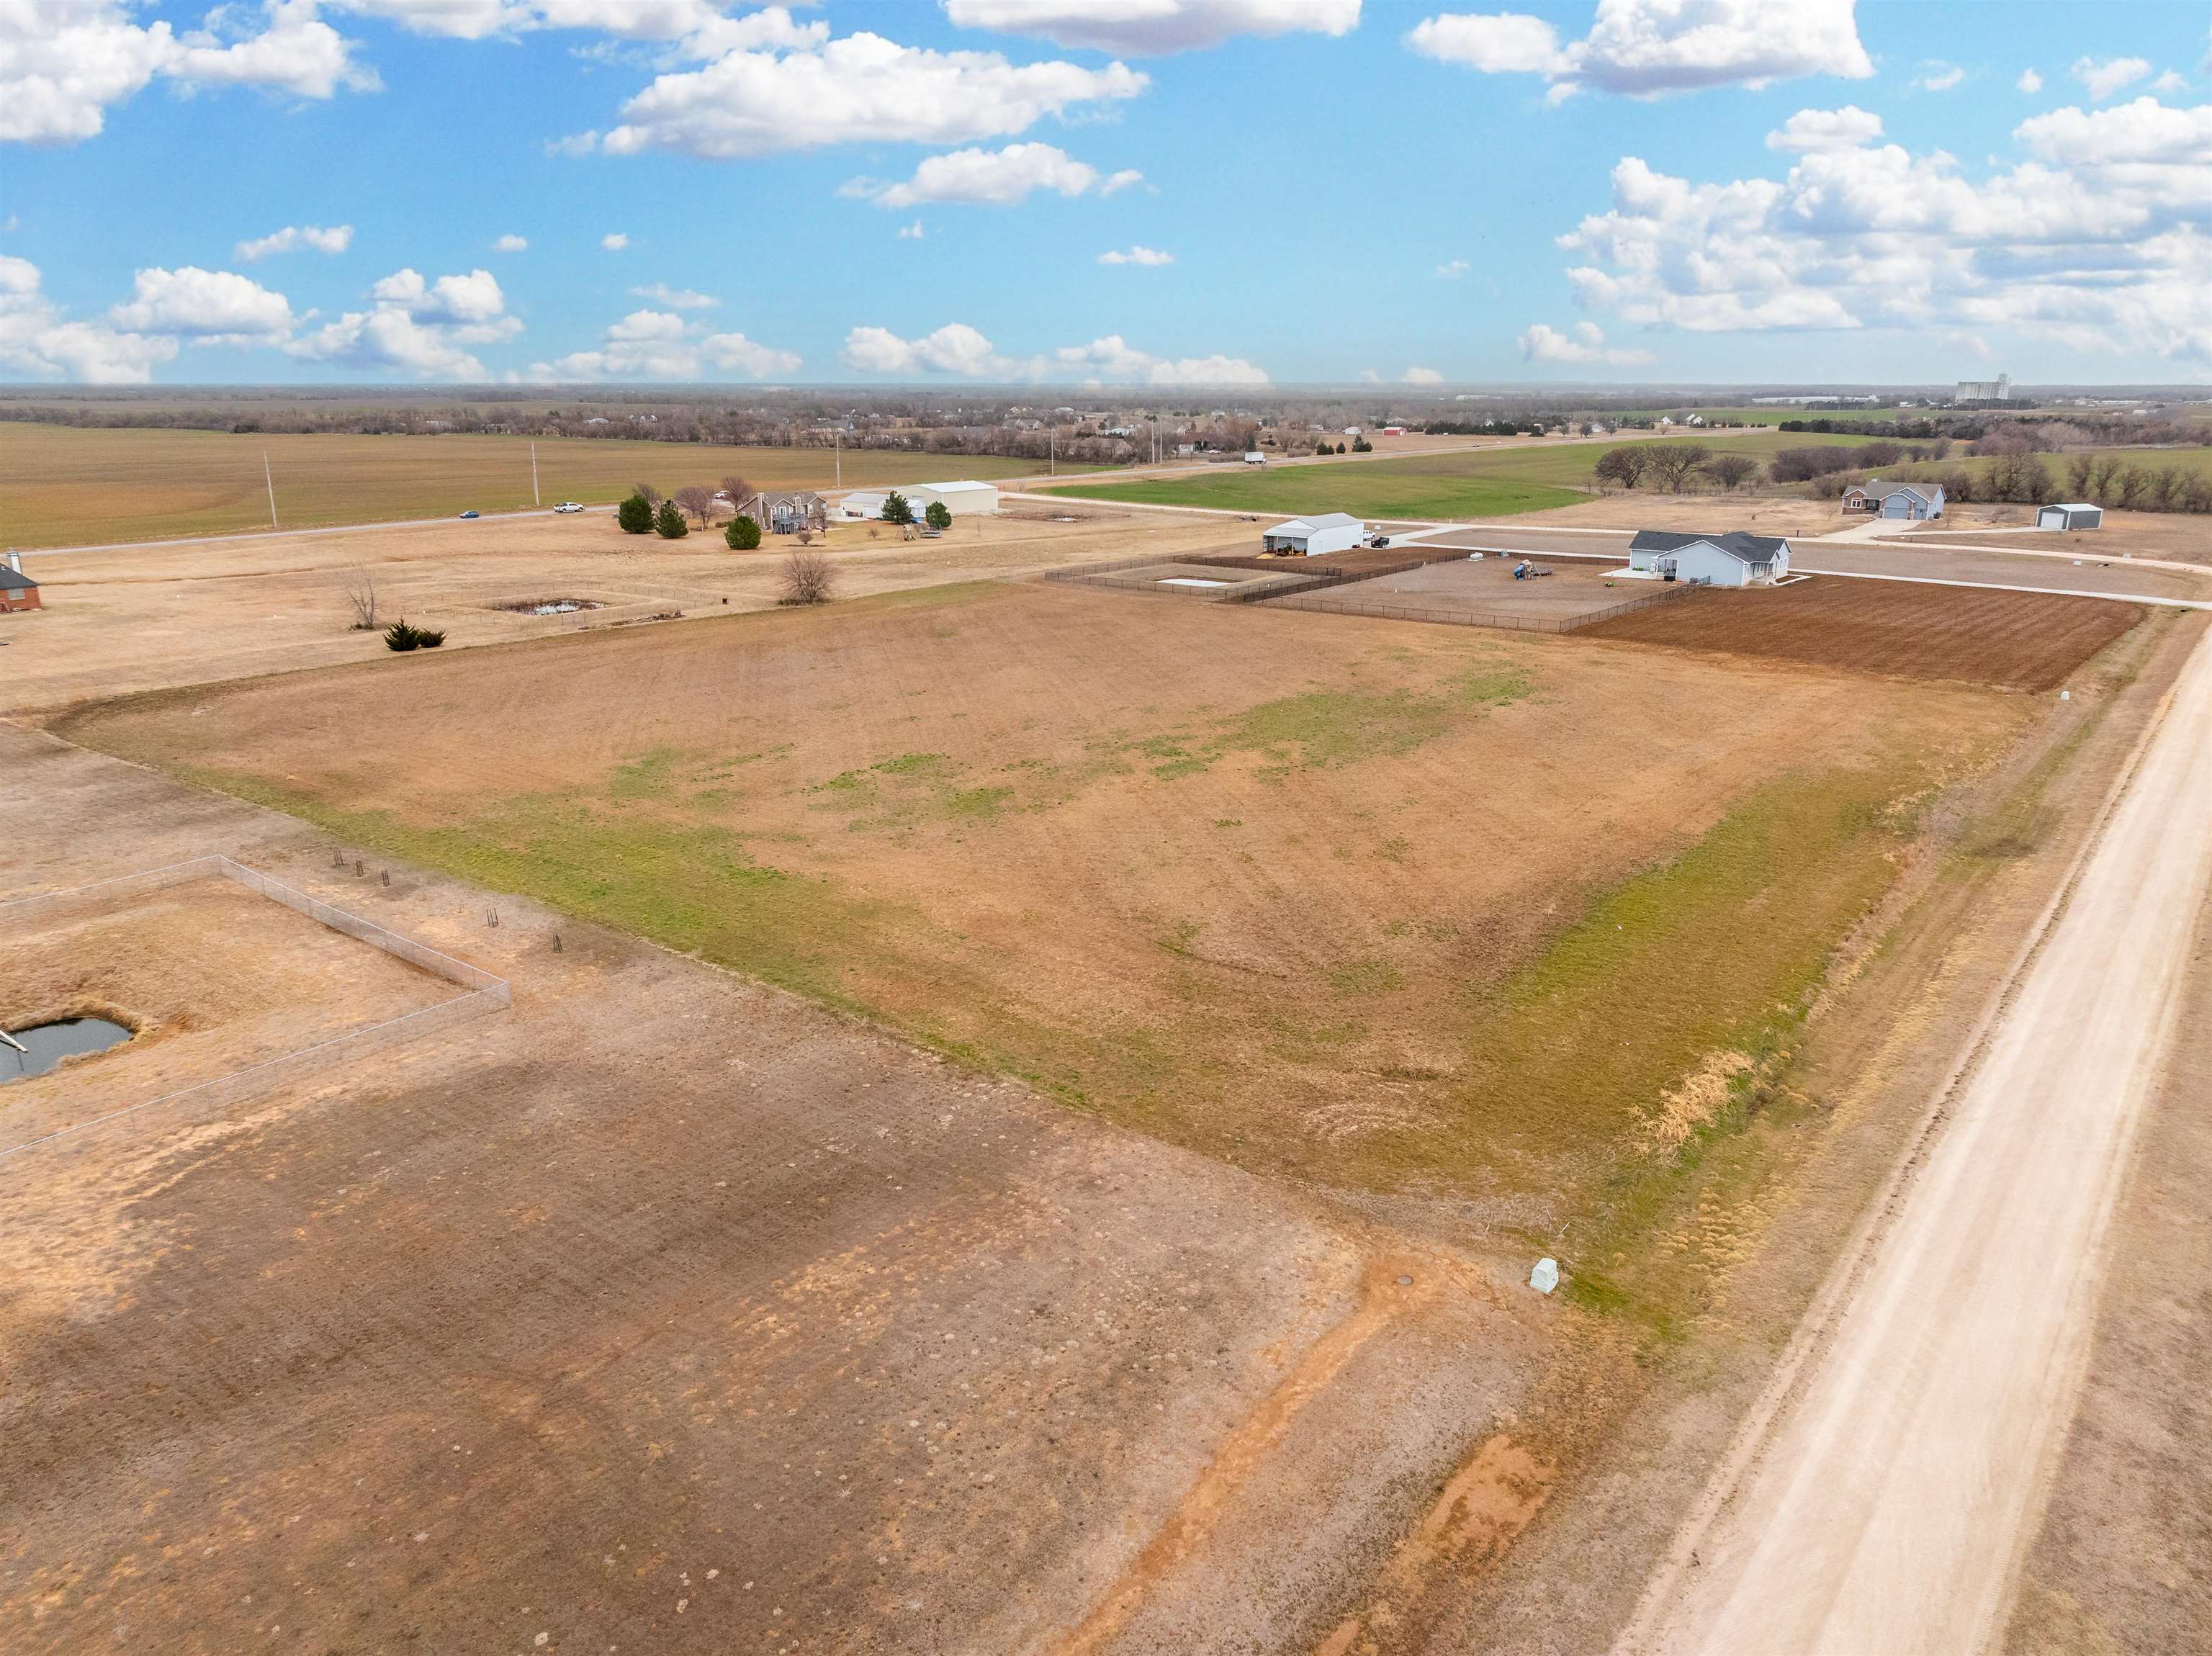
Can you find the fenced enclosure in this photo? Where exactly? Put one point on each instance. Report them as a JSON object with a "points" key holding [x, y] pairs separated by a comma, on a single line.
{"points": [[483, 992]]}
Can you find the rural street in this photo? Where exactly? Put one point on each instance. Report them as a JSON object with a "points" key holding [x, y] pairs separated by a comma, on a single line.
{"points": [[280, 534], [1884, 1487]]}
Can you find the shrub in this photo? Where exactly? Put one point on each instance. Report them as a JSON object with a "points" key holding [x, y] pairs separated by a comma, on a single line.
{"points": [[897, 509], [939, 515], [1359, 445], [400, 636], [743, 534], [634, 515], [428, 640], [807, 579], [668, 523]]}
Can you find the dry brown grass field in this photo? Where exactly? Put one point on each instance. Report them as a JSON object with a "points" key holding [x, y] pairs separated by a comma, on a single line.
{"points": [[66, 486], [1391, 906], [2028, 641]]}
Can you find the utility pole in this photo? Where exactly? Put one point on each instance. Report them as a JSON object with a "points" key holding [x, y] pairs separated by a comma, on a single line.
{"points": [[534, 501], [837, 435], [270, 477], [1052, 450]]}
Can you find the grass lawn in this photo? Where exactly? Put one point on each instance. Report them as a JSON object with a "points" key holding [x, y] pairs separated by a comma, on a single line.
{"points": [[1475, 482], [61, 486]]}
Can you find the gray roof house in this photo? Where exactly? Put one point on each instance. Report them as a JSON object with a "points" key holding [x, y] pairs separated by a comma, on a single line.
{"points": [[1895, 500], [1735, 559]]}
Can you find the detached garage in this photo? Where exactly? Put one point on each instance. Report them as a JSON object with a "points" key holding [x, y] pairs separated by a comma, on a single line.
{"points": [[2077, 515], [1309, 537]]}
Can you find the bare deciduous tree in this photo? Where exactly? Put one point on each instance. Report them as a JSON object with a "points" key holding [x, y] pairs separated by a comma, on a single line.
{"points": [[648, 494], [1625, 466], [696, 499], [1673, 463], [737, 490], [360, 594], [808, 577], [1731, 471]]}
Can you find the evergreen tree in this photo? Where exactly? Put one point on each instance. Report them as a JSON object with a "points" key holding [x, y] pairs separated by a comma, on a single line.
{"points": [[939, 515], [743, 534], [896, 509], [670, 524], [634, 515]]}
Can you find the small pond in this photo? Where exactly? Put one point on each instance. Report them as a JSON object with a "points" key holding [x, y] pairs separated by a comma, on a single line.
{"points": [[47, 1044], [551, 606]]}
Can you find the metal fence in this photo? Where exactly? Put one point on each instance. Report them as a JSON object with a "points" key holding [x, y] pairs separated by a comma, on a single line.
{"points": [[1342, 604], [485, 992]]}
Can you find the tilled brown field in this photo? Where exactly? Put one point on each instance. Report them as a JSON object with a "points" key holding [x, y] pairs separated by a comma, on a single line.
{"points": [[2021, 641], [1289, 888]]}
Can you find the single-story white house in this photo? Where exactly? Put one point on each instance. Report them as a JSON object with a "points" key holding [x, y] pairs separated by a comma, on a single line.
{"points": [[1309, 537], [1895, 500], [961, 500], [1735, 559], [2077, 514]]}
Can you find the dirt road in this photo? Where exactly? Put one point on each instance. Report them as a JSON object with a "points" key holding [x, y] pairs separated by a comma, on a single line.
{"points": [[1882, 1505]]}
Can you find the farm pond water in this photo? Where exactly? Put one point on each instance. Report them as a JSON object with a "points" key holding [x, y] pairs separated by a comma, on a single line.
{"points": [[48, 1044]]}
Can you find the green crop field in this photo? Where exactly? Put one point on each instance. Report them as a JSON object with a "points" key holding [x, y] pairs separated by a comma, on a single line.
{"points": [[1474, 482], [63, 486]]}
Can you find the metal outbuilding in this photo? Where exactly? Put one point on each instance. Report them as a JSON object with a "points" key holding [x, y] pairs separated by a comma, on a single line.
{"points": [[2076, 514], [1309, 537]]}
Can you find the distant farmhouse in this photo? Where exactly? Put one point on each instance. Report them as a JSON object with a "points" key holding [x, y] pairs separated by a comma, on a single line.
{"points": [[1735, 559], [1998, 389], [17, 590], [787, 512], [1878, 499], [1311, 537]]}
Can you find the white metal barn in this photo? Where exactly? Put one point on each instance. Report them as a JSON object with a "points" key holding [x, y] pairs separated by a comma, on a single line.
{"points": [[961, 500], [1735, 559], [1309, 537], [2078, 514]]}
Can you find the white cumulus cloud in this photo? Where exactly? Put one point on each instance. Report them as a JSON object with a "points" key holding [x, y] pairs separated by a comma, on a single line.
{"points": [[1137, 255], [38, 341], [64, 63], [679, 298], [1422, 377], [1152, 28], [417, 326], [2104, 77], [992, 177], [649, 344], [1586, 344], [510, 244], [1646, 48], [1452, 268], [1810, 130], [335, 239], [860, 87], [963, 351], [205, 306], [2099, 238], [2029, 81], [614, 241], [913, 232], [1940, 77]]}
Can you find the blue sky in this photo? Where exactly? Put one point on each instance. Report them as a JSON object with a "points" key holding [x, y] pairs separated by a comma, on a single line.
{"points": [[1306, 190]]}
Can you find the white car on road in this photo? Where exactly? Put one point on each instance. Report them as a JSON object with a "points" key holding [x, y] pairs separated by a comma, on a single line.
{"points": [[569, 505]]}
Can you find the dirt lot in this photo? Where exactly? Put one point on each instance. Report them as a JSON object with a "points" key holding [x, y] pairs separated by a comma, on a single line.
{"points": [[1202, 869], [662, 1312], [2186, 539], [1478, 591], [156, 615], [2026, 641], [1199, 580]]}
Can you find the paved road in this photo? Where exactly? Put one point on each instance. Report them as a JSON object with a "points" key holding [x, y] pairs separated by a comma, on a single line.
{"points": [[449, 519], [1881, 1506]]}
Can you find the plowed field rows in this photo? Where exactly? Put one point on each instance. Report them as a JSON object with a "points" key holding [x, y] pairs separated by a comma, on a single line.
{"points": [[2016, 641]]}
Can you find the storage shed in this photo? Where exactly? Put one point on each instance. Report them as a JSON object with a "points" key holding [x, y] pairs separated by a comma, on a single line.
{"points": [[1735, 559], [961, 500], [1309, 537], [2077, 514]]}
